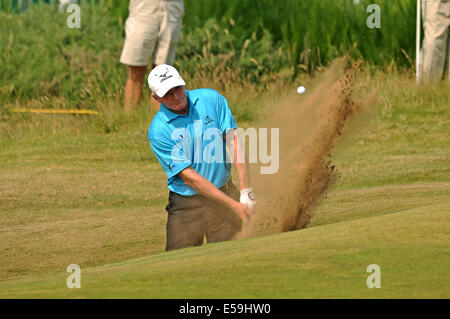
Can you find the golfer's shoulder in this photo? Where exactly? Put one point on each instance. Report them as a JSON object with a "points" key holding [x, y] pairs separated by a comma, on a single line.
{"points": [[158, 127], [205, 93]]}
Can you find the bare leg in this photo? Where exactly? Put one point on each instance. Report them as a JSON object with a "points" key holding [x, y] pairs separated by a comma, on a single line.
{"points": [[154, 105], [133, 87]]}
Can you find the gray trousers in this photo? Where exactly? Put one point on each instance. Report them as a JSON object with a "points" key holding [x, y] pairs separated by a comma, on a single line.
{"points": [[191, 218], [436, 42]]}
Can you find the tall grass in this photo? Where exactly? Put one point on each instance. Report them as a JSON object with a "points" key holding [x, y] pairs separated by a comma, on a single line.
{"points": [[41, 57], [44, 62], [313, 32], [16, 6]]}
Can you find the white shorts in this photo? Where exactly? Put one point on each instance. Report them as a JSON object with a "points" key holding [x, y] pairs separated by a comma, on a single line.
{"points": [[436, 42], [152, 29]]}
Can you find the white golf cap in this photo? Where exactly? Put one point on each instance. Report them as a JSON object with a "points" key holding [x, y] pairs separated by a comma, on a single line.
{"points": [[164, 77]]}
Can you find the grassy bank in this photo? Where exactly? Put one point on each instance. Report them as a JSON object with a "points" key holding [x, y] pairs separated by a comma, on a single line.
{"points": [[321, 262]]}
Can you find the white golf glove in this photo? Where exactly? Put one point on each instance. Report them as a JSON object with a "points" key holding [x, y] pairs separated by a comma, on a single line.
{"points": [[248, 198]]}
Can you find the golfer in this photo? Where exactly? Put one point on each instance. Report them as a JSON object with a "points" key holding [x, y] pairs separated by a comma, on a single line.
{"points": [[189, 135]]}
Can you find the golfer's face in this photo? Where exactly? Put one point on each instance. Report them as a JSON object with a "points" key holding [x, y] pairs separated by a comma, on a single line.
{"points": [[175, 99]]}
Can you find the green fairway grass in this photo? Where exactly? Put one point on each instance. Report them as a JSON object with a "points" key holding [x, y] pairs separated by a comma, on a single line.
{"points": [[88, 191], [327, 261]]}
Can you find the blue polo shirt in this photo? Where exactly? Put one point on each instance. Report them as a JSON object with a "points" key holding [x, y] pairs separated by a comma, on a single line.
{"points": [[196, 139]]}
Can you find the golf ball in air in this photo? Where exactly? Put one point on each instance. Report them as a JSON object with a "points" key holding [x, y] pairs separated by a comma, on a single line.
{"points": [[301, 90]]}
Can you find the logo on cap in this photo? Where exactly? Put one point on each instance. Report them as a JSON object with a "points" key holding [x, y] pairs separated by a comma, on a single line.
{"points": [[157, 80], [165, 77]]}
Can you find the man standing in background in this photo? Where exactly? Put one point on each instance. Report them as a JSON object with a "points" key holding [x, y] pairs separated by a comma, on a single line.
{"points": [[152, 29], [436, 43]]}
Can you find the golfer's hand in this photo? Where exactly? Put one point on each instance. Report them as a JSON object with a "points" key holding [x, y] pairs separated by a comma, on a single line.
{"points": [[242, 211], [248, 198]]}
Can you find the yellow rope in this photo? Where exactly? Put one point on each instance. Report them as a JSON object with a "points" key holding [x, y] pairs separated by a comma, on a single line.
{"points": [[52, 111]]}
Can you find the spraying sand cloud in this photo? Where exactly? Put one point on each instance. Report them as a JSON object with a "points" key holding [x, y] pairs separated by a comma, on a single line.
{"points": [[309, 126]]}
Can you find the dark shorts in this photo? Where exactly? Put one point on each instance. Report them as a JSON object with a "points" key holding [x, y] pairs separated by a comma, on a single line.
{"points": [[191, 218]]}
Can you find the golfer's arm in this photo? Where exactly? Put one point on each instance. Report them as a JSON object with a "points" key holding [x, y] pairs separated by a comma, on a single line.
{"points": [[240, 161], [204, 187]]}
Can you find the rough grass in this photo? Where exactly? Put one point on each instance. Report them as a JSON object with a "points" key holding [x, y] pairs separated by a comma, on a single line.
{"points": [[46, 64]]}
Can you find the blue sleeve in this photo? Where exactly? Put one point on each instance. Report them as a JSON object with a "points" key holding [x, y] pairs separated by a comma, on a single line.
{"points": [[225, 118], [170, 154]]}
